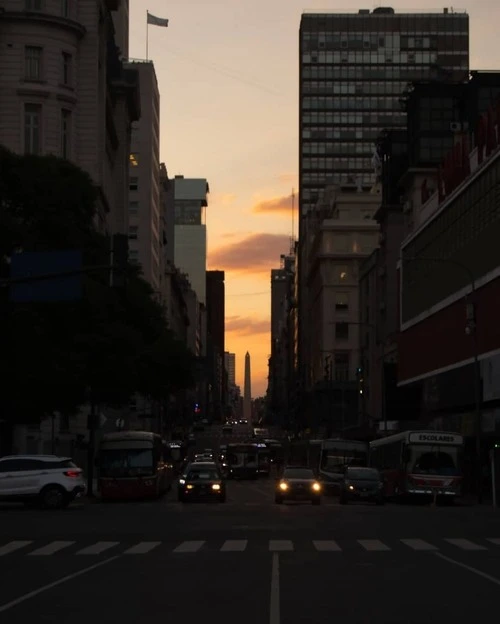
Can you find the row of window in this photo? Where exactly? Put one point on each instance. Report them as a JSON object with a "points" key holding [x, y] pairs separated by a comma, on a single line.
{"points": [[317, 179], [352, 103], [407, 73], [329, 163], [338, 148], [396, 118], [65, 7], [373, 58], [34, 65], [368, 134], [33, 117], [359, 87]]}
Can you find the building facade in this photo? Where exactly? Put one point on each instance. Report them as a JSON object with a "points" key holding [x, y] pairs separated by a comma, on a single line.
{"points": [[353, 70], [190, 196], [144, 179], [215, 293], [65, 91]]}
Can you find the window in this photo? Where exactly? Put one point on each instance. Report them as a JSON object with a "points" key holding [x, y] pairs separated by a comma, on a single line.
{"points": [[133, 184], [134, 159], [133, 232], [32, 128], [67, 65], [133, 256], [341, 366], [133, 207], [341, 302], [65, 8], [33, 5], [33, 63], [65, 133], [341, 331]]}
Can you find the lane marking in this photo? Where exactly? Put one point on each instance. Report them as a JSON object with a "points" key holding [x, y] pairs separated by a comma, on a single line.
{"points": [[418, 544], [189, 547], [373, 545], [142, 548], [494, 540], [51, 548], [15, 545], [470, 568], [327, 546], [44, 588], [234, 546], [97, 548], [280, 545], [274, 606], [465, 544]]}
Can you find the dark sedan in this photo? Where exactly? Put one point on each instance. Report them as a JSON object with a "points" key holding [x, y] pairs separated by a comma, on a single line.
{"points": [[299, 484], [202, 482], [362, 484]]}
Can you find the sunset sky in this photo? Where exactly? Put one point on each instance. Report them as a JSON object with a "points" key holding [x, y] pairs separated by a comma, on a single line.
{"points": [[228, 77]]}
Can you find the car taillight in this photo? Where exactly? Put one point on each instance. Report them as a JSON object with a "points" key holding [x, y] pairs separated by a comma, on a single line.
{"points": [[73, 474]]}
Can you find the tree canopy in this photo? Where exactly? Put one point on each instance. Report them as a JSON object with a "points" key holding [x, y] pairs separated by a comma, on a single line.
{"points": [[112, 342]]}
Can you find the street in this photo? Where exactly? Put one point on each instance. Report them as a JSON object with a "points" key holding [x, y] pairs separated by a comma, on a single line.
{"points": [[249, 560]]}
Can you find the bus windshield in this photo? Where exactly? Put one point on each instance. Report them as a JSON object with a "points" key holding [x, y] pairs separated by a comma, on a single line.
{"points": [[126, 462], [336, 460], [434, 460]]}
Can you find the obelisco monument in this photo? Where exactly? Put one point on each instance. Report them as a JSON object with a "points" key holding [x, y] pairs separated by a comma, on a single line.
{"points": [[247, 390]]}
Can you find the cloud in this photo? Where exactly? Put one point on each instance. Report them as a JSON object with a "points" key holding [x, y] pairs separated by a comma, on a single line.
{"points": [[257, 253], [247, 326], [281, 206]]}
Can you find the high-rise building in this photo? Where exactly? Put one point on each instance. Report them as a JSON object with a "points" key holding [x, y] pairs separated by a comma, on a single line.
{"points": [[59, 96], [247, 390], [230, 365], [144, 181], [215, 293], [190, 196], [353, 71]]}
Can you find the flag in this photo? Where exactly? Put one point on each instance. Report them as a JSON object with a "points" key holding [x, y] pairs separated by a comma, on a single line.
{"points": [[157, 21]]}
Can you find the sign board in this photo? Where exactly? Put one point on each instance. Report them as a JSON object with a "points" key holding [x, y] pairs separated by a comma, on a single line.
{"points": [[32, 266], [431, 437]]}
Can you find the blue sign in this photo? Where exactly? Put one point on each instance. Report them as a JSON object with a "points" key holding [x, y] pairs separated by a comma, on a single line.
{"points": [[35, 264]]}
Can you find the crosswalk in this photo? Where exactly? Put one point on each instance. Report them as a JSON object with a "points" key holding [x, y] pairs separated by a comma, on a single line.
{"points": [[37, 548]]}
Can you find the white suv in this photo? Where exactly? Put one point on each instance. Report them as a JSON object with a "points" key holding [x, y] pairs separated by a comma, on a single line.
{"points": [[48, 480]]}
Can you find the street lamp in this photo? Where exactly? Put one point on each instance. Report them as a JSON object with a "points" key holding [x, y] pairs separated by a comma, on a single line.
{"points": [[470, 330]]}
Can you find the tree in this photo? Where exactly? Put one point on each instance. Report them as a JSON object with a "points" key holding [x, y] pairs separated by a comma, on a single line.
{"points": [[114, 342]]}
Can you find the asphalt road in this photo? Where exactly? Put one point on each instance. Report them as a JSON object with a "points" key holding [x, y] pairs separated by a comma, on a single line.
{"points": [[249, 561]]}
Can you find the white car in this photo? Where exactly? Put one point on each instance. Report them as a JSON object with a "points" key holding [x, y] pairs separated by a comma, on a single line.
{"points": [[48, 480]]}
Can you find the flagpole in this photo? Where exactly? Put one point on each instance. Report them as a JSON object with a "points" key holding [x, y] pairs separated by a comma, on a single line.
{"points": [[147, 35]]}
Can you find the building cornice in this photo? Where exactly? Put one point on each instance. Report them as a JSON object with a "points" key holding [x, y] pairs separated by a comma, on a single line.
{"points": [[47, 19]]}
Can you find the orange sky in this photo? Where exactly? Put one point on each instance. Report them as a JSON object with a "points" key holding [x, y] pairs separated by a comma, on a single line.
{"points": [[228, 77]]}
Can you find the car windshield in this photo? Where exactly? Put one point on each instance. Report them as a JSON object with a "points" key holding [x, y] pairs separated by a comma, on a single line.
{"points": [[298, 473], [202, 475], [367, 474], [126, 462]]}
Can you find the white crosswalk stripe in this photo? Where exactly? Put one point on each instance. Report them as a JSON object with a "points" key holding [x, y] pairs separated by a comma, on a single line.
{"points": [[142, 548], [280, 545], [97, 548], [494, 540], [51, 548], [373, 544], [327, 546], [234, 545], [465, 544], [13, 546], [189, 547], [418, 544]]}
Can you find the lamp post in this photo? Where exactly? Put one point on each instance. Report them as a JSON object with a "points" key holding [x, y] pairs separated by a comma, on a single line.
{"points": [[470, 330]]}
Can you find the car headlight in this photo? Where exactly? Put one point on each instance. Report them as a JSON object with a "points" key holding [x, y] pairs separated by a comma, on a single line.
{"points": [[283, 486], [189, 487], [182, 481], [216, 486], [351, 487], [316, 487]]}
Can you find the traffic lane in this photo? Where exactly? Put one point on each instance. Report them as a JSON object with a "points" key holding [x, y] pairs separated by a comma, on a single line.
{"points": [[20, 575], [250, 492], [381, 588], [213, 587]]}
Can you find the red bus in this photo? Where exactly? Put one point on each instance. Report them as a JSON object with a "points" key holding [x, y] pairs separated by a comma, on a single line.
{"points": [[134, 464], [419, 463]]}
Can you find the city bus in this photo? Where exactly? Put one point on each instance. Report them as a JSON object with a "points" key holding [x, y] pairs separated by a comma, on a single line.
{"points": [[243, 460], [419, 463], [335, 455], [133, 464]]}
